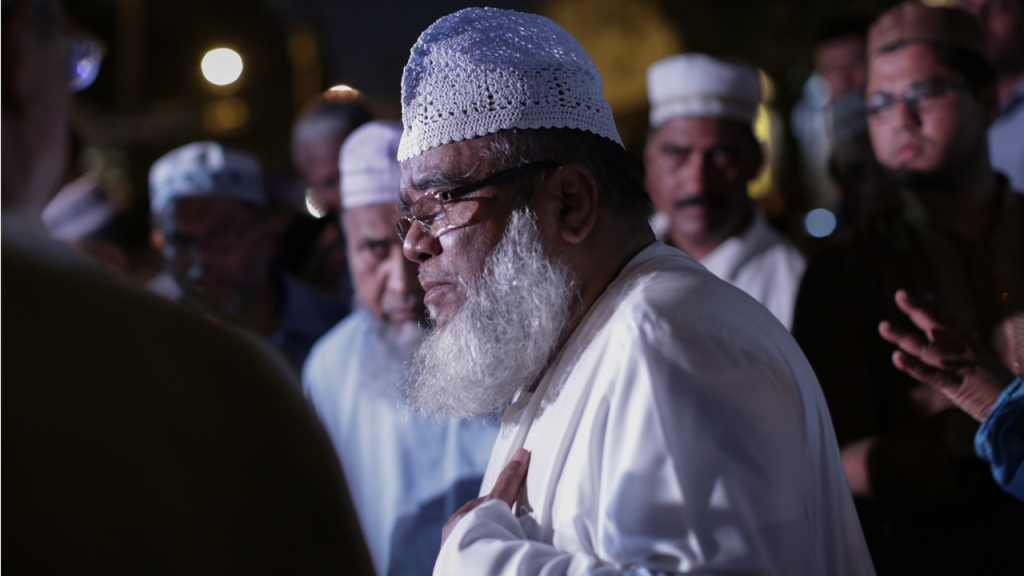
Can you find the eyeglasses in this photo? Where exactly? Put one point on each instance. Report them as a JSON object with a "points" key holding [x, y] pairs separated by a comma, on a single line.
{"points": [[439, 212], [84, 61], [219, 241], [920, 96]]}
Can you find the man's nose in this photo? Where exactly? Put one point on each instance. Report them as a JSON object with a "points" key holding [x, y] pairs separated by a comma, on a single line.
{"points": [[693, 174], [419, 246], [907, 114]]}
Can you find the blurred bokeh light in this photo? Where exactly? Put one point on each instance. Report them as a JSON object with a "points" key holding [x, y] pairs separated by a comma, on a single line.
{"points": [[222, 66]]}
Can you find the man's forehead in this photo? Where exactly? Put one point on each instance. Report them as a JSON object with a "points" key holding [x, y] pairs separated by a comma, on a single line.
{"points": [[699, 131], [445, 165], [905, 65], [202, 208]]}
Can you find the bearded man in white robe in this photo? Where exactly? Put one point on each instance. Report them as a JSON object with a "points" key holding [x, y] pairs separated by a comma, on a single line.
{"points": [[406, 474], [658, 420]]}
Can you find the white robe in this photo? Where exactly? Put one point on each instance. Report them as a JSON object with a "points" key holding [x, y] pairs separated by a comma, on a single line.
{"points": [[680, 429], [406, 475], [763, 264]]}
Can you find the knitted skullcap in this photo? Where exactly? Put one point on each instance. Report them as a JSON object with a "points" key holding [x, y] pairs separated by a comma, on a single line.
{"points": [[482, 70], [205, 169], [697, 85], [368, 164], [913, 21]]}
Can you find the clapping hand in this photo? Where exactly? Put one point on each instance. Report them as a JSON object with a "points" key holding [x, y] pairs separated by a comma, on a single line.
{"points": [[962, 370]]}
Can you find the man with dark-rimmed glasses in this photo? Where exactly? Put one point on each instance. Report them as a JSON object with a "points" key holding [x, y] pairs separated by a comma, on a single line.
{"points": [[926, 501], [657, 420]]}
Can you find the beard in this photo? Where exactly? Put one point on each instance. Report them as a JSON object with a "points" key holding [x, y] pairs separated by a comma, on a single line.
{"points": [[503, 337], [919, 181]]}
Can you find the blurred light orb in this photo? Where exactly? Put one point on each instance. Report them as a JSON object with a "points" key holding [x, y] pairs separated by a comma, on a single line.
{"points": [[820, 222], [221, 66], [225, 114], [342, 88]]}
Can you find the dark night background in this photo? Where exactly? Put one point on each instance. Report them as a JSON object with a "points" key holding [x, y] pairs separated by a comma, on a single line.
{"points": [[151, 96]]}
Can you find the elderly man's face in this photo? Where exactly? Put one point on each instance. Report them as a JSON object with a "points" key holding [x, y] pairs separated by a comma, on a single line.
{"points": [[943, 127], [455, 259], [219, 251], [385, 279], [697, 172], [841, 63]]}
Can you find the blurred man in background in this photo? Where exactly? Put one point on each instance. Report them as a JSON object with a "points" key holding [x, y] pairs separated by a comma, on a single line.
{"points": [[138, 438], [699, 158], [928, 505], [1003, 21], [407, 475], [209, 205], [316, 246], [840, 68], [317, 137]]}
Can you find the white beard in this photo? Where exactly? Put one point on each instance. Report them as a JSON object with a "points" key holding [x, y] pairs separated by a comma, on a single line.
{"points": [[504, 336]]}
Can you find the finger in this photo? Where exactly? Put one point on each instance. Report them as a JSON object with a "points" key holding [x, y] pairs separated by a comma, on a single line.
{"points": [[465, 508], [454, 518], [946, 382], [917, 313], [907, 341], [510, 481]]}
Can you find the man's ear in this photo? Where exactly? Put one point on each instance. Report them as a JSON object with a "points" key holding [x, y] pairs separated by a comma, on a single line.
{"points": [[578, 197]]}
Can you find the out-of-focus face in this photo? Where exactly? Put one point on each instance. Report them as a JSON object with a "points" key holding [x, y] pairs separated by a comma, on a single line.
{"points": [[1003, 21], [841, 62], [385, 280], [317, 156], [219, 251], [697, 173], [451, 262], [940, 131], [37, 87]]}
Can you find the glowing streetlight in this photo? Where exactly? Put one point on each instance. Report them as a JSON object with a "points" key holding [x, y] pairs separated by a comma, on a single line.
{"points": [[221, 66]]}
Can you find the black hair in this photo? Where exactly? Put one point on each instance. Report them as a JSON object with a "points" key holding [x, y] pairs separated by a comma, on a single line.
{"points": [[976, 70], [353, 113], [618, 178], [843, 27]]}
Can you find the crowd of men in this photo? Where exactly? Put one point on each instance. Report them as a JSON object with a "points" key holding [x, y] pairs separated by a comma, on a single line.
{"points": [[506, 350]]}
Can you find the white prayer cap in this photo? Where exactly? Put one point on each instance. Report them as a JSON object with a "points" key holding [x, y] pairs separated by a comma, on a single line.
{"points": [[482, 70], [78, 211], [697, 85], [205, 169], [368, 164]]}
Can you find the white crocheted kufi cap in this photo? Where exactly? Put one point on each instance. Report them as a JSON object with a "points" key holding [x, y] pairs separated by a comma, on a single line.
{"points": [[79, 210], [482, 70], [368, 164], [204, 169], [697, 85]]}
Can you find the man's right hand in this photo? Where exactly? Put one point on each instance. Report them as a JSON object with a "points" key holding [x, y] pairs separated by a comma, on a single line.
{"points": [[966, 373], [507, 488]]}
